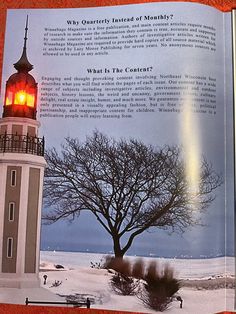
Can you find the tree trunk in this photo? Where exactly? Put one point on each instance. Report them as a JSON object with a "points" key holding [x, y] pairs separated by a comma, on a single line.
{"points": [[118, 251]]}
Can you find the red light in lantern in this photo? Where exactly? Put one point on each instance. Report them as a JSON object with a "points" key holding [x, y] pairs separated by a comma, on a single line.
{"points": [[24, 98], [20, 98]]}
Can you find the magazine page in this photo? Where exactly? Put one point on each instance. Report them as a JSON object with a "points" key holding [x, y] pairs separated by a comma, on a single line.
{"points": [[131, 103]]}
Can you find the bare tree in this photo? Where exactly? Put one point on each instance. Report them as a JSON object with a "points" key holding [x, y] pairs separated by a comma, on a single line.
{"points": [[128, 186]]}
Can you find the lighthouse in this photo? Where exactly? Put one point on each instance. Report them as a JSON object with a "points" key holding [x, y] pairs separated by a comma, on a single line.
{"points": [[22, 167]]}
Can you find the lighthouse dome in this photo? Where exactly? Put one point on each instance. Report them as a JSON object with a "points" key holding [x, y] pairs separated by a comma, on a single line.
{"points": [[22, 79], [21, 88], [21, 94]]}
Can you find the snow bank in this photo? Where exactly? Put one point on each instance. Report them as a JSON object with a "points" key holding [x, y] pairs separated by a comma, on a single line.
{"points": [[199, 293]]}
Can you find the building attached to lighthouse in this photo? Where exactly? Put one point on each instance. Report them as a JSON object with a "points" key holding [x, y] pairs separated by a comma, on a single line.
{"points": [[22, 167]]}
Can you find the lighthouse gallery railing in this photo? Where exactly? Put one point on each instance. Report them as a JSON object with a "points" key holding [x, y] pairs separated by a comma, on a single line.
{"points": [[15, 143]]}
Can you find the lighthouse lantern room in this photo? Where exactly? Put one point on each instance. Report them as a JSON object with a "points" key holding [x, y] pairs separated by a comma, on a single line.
{"points": [[22, 167]]}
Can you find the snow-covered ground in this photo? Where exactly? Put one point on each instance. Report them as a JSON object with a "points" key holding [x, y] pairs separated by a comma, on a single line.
{"points": [[184, 268], [199, 294]]}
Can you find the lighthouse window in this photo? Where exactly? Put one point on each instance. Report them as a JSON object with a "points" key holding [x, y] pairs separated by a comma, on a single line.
{"points": [[9, 98], [9, 247], [30, 100], [11, 211], [13, 178], [23, 97], [20, 98]]}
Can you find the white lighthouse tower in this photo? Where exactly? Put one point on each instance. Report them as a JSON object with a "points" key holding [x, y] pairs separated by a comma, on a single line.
{"points": [[22, 167]]}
